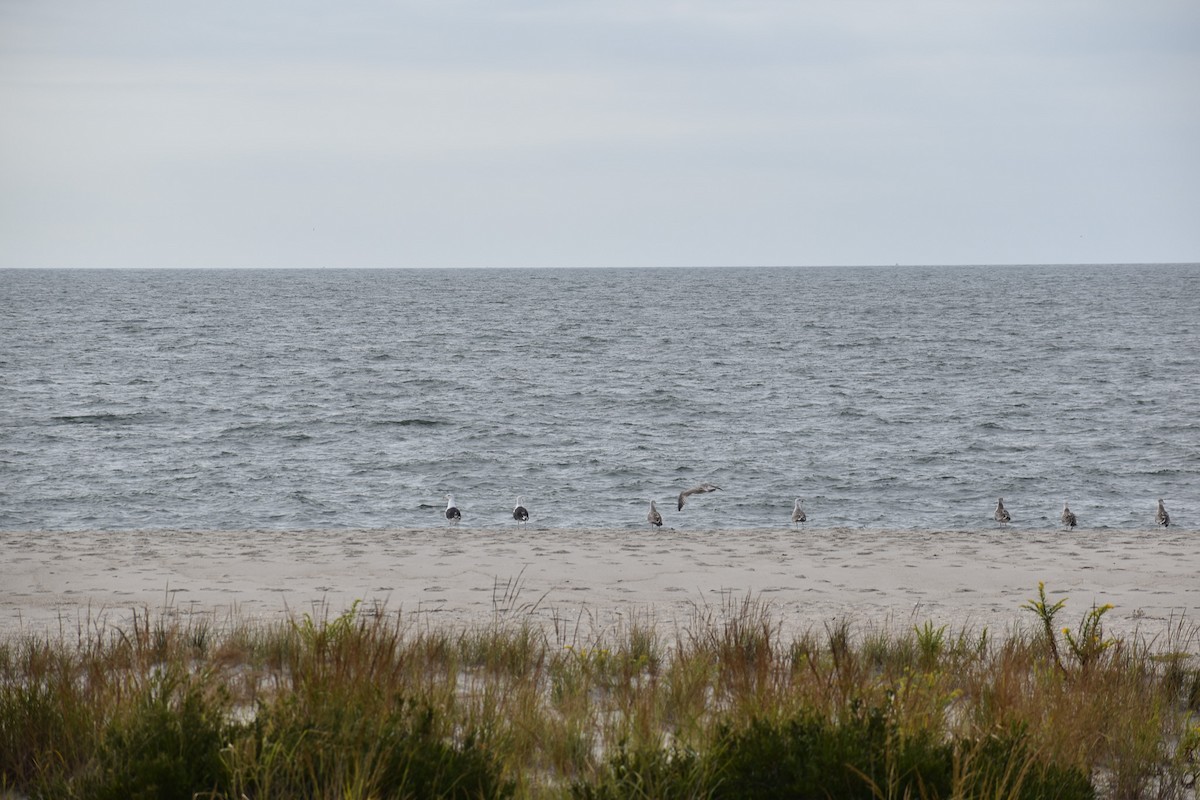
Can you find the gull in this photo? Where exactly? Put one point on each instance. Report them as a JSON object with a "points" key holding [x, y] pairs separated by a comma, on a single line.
{"points": [[1002, 515], [703, 488], [1162, 517], [452, 512], [798, 511], [654, 517], [520, 512], [1068, 516]]}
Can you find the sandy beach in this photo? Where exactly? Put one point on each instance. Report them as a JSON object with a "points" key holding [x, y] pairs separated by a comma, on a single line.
{"points": [[585, 582]]}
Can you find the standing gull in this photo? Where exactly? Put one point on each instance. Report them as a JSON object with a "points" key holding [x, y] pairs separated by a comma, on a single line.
{"points": [[520, 512], [798, 515], [1001, 514], [452, 513], [703, 488], [1068, 516], [1162, 517], [654, 518]]}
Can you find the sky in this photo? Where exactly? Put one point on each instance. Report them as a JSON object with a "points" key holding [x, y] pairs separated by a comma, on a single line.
{"points": [[623, 133]]}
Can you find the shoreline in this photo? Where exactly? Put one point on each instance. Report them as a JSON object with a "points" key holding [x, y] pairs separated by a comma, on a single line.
{"points": [[597, 580]]}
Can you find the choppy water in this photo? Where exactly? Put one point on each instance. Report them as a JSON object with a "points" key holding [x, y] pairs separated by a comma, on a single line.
{"points": [[886, 397]]}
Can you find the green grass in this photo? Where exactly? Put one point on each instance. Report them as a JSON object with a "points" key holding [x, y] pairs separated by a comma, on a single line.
{"points": [[372, 704]]}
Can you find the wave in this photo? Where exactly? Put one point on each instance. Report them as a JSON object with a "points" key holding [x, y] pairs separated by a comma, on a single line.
{"points": [[101, 418], [414, 422]]}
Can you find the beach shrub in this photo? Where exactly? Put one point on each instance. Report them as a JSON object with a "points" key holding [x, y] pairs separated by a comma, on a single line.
{"points": [[44, 730], [380, 747], [1005, 764], [811, 756], [931, 641], [1087, 644], [864, 757], [1046, 613], [166, 746], [641, 773]]}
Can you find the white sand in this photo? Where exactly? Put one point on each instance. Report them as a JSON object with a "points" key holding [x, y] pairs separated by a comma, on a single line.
{"points": [[597, 579]]}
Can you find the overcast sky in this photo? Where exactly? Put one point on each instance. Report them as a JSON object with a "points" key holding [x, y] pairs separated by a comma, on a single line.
{"points": [[607, 133]]}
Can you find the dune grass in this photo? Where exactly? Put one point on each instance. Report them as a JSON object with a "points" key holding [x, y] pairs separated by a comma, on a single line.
{"points": [[374, 704]]}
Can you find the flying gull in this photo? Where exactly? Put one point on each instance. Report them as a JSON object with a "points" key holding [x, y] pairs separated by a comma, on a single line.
{"points": [[520, 512], [798, 515], [1068, 516], [654, 517], [1001, 514], [452, 513], [703, 488], [1162, 517]]}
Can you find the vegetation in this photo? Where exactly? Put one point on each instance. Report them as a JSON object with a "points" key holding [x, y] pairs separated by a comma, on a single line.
{"points": [[371, 704]]}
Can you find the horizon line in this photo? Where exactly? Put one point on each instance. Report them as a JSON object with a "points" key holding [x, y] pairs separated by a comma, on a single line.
{"points": [[624, 267]]}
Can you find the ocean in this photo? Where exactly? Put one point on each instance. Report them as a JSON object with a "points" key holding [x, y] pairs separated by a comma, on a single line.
{"points": [[898, 397]]}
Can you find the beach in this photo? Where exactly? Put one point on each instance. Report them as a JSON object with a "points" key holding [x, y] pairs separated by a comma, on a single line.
{"points": [[580, 584]]}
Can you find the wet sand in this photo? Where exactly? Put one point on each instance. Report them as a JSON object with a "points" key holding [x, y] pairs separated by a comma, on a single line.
{"points": [[595, 580]]}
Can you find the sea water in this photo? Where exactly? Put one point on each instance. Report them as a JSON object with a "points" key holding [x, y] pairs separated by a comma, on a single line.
{"points": [[906, 397]]}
